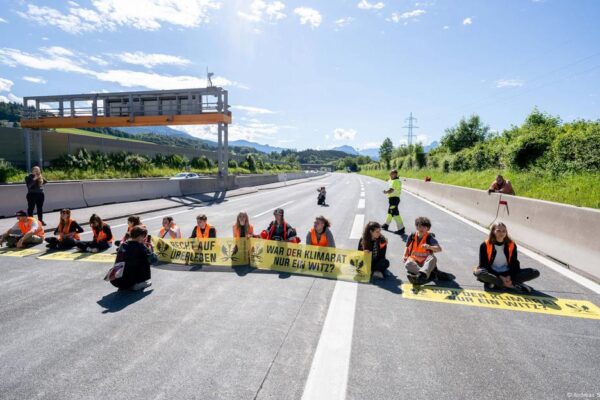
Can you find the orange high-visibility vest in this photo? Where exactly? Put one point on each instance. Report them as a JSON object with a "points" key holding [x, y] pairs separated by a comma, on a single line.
{"points": [[100, 236], [204, 235], [172, 232], [416, 250], [323, 242], [65, 230], [490, 249], [26, 227], [237, 234]]}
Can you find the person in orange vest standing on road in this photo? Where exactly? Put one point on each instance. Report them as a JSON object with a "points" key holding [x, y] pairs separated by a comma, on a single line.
{"points": [[203, 230], [242, 227], [67, 232], [499, 266], [169, 229], [320, 234], [28, 231], [419, 259]]}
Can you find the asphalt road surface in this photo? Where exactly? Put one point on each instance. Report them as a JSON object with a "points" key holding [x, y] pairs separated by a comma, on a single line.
{"points": [[220, 333]]}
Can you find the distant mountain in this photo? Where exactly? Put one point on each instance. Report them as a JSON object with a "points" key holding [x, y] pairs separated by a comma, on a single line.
{"points": [[264, 148], [347, 149], [373, 153], [159, 130], [431, 146]]}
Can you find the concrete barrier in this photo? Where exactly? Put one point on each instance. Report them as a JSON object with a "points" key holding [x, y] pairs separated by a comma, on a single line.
{"points": [[255, 180], [13, 199], [117, 191], [204, 185], [565, 233], [57, 196]]}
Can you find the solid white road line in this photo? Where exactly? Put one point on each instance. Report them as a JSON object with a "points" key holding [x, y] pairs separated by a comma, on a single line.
{"points": [[271, 209], [357, 226], [328, 376], [361, 203], [593, 286]]}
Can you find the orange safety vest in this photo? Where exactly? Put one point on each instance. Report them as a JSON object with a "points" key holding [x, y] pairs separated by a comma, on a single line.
{"points": [[416, 250], [65, 231], [323, 242], [26, 227], [173, 235], [272, 231], [490, 250], [204, 235], [237, 234], [100, 236]]}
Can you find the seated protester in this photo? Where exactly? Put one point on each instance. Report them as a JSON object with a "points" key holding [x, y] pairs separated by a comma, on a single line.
{"points": [[499, 266], [500, 185], [320, 234], [321, 196], [136, 258], [169, 229], [419, 259], [102, 238], [372, 241], [132, 220], [242, 227], [279, 229], [27, 231], [66, 234], [203, 230]]}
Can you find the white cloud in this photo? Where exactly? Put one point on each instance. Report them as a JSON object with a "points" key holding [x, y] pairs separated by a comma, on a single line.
{"points": [[309, 16], [446, 27], [2, 20], [365, 5], [368, 145], [397, 17], [344, 134], [254, 131], [98, 61], [253, 110], [151, 80], [5, 85], [4, 99], [501, 83], [467, 21], [48, 61], [342, 22], [57, 51], [110, 14], [150, 60], [261, 10], [34, 79]]}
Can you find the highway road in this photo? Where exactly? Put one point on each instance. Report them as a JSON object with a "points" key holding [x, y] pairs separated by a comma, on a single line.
{"points": [[221, 333]]}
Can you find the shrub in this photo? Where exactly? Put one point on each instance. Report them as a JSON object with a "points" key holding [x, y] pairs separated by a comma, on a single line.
{"points": [[528, 150], [578, 148], [6, 169], [199, 163], [459, 162], [136, 163], [233, 164], [446, 166]]}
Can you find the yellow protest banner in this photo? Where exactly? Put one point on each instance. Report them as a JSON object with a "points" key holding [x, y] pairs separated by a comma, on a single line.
{"points": [[222, 252], [62, 256], [326, 262], [503, 301], [14, 252]]}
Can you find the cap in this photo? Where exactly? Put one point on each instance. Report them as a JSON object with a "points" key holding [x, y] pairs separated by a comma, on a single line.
{"points": [[278, 211], [21, 213]]}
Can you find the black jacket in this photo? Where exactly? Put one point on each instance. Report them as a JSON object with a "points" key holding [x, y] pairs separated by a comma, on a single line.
{"points": [[212, 233], [514, 266], [378, 251], [278, 231]]}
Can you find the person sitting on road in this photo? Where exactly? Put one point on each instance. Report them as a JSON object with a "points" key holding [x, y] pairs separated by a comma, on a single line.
{"points": [[279, 229], [27, 231], [132, 221], [137, 259], [320, 234], [499, 265], [501, 186], [322, 195], [66, 234], [169, 229], [203, 230], [419, 259], [242, 227], [102, 238], [372, 241]]}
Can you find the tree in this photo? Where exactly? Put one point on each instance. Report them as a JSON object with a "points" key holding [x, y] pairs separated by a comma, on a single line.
{"points": [[465, 134], [385, 151]]}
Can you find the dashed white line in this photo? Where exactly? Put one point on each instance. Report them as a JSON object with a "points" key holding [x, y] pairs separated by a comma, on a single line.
{"points": [[357, 226], [271, 209], [361, 203]]}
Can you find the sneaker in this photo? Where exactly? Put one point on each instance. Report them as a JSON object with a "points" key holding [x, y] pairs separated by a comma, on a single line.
{"points": [[522, 288], [412, 278], [92, 250], [489, 286], [43, 223], [378, 275], [141, 285], [385, 227], [400, 232], [421, 279]]}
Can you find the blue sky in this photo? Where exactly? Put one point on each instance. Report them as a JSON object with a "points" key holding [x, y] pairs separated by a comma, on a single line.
{"points": [[318, 73]]}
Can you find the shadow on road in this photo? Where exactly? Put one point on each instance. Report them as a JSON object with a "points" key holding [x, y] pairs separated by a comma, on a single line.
{"points": [[390, 283], [120, 299]]}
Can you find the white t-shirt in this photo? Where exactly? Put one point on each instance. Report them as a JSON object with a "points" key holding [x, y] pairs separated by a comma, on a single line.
{"points": [[500, 263]]}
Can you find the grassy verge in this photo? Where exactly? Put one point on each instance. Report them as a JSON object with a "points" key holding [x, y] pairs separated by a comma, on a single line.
{"points": [[581, 189], [61, 175], [75, 131]]}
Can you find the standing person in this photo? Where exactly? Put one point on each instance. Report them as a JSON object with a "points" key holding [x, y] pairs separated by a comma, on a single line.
{"points": [[320, 234], [499, 265], [242, 227], [66, 234], [279, 229], [169, 229], [372, 241], [35, 193], [419, 259], [393, 194], [203, 230], [135, 258], [500, 185], [28, 231], [102, 238]]}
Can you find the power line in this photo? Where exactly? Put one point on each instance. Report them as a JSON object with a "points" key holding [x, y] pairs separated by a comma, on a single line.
{"points": [[410, 134]]}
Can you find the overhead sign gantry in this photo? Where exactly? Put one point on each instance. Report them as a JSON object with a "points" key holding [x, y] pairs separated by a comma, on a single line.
{"points": [[201, 106]]}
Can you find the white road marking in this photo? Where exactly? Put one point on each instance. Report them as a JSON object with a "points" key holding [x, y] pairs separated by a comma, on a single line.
{"points": [[362, 194], [357, 226], [361, 203], [271, 209], [593, 286]]}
